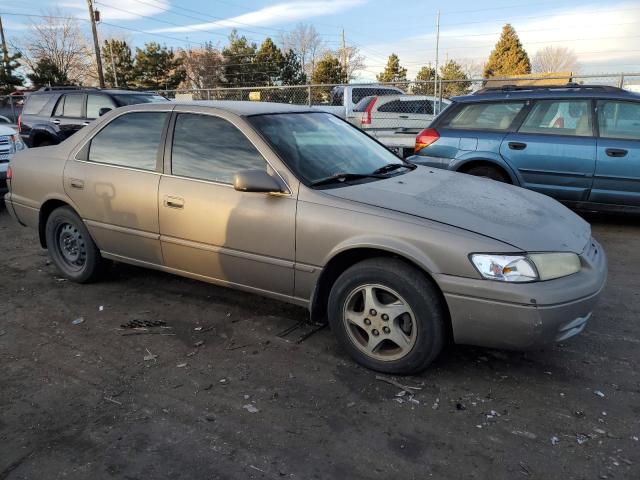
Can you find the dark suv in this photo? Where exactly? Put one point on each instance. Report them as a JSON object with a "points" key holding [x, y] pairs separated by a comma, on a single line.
{"points": [[54, 113], [577, 143]]}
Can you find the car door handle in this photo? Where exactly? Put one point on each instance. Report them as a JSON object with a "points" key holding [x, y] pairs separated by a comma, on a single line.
{"points": [[173, 202], [404, 116], [517, 145], [56, 121], [76, 183], [616, 152], [85, 123]]}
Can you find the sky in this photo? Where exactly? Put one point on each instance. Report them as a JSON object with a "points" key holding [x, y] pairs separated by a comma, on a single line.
{"points": [[605, 37]]}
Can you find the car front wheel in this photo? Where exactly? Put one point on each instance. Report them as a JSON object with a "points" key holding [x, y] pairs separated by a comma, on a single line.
{"points": [[388, 316], [71, 247]]}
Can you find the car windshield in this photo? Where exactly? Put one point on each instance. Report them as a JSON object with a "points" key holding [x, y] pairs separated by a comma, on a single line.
{"points": [[125, 99], [318, 145]]}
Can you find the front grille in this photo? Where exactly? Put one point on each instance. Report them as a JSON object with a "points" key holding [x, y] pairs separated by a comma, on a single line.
{"points": [[4, 140]]}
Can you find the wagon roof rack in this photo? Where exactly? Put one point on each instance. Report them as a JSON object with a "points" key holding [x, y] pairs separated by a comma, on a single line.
{"points": [[567, 86], [65, 87]]}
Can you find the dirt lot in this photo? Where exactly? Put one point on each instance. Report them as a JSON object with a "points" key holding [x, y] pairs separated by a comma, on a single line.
{"points": [[89, 400]]}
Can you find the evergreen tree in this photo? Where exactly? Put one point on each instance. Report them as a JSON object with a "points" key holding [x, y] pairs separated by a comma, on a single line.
{"points": [[508, 56], [292, 72], [452, 70], [239, 64], [8, 79], [46, 72], [117, 53], [269, 62], [156, 67], [428, 74], [393, 72], [328, 70]]}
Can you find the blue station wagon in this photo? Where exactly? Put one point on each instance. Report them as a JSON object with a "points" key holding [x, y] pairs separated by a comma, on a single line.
{"points": [[578, 144]]}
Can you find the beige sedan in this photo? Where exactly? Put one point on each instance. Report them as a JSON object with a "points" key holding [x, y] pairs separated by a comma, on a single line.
{"points": [[303, 207]]}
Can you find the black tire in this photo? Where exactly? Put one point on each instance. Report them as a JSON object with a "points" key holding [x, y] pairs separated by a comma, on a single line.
{"points": [[487, 171], [71, 247], [44, 143], [415, 289]]}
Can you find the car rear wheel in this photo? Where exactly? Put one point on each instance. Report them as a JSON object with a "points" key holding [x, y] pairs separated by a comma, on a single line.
{"points": [[44, 143], [388, 316], [490, 172], [71, 247]]}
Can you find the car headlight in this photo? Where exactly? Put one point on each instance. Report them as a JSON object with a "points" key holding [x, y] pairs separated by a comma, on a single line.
{"points": [[526, 268], [16, 144]]}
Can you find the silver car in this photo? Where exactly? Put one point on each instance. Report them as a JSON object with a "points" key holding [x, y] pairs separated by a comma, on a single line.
{"points": [[303, 207]]}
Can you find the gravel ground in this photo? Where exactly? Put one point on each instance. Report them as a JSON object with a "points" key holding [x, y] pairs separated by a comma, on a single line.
{"points": [[222, 391]]}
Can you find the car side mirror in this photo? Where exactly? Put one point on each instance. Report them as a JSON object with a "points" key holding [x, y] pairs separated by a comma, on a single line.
{"points": [[255, 181], [103, 110]]}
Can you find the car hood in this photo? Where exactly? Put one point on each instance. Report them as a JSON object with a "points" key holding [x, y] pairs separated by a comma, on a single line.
{"points": [[522, 218]]}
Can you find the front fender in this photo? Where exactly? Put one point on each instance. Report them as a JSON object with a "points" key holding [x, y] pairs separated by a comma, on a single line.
{"points": [[391, 245]]}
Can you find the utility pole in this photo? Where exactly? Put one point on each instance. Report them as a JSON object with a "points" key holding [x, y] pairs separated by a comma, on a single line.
{"points": [[5, 52], [96, 44], [344, 58], [435, 85]]}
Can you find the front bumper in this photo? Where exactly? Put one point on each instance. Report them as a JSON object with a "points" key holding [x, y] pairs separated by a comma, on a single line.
{"points": [[524, 316]]}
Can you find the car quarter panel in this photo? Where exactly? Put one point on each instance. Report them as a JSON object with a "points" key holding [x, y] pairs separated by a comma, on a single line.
{"points": [[37, 177]]}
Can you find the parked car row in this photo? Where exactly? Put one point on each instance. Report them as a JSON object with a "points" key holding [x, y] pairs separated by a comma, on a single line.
{"points": [[300, 205], [52, 114], [577, 144]]}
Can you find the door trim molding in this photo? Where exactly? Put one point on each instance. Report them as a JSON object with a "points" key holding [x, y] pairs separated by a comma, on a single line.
{"points": [[125, 230], [228, 251]]}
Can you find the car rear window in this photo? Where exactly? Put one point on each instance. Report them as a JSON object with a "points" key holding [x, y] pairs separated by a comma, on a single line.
{"points": [[485, 116], [125, 99], [408, 106], [358, 94], [35, 103]]}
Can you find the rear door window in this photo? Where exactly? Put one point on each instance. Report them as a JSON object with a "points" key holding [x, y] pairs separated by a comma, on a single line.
{"points": [[130, 140], [211, 148], [70, 106], [485, 116], [618, 119], [559, 117]]}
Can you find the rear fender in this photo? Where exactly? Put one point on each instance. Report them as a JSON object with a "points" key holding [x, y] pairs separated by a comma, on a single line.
{"points": [[459, 163]]}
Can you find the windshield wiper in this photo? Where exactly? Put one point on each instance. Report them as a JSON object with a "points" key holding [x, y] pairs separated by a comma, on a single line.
{"points": [[393, 166], [343, 177]]}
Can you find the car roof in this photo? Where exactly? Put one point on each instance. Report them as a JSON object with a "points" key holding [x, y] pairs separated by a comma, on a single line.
{"points": [[112, 91], [245, 108], [532, 93]]}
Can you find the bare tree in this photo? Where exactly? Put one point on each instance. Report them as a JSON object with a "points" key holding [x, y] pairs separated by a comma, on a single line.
{"points": [[355, 61], [307, 44], [204, 67], [60, 41], [552, 59]]}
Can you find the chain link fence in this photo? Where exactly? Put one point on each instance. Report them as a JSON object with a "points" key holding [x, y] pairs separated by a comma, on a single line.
{"points": [[378, 108]]}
